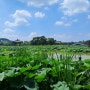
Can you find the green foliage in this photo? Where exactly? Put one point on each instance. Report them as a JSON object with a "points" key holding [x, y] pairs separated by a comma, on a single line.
{"points": [[42, 40], [60, 86], [88, 43], [43, 68], [51, 41], [1, 76], [38, 41]]}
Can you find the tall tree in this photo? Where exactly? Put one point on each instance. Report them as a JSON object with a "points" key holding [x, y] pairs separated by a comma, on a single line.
{"points": [[88, 43], [39, 40], [51, 41]]}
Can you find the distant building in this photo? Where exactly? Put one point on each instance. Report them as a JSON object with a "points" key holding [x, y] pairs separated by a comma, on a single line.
{"points": [[58, 42], [78, 44], [17, 42]]}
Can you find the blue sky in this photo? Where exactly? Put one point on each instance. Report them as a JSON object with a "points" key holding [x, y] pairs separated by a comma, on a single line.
{"points": [[64, 20]]}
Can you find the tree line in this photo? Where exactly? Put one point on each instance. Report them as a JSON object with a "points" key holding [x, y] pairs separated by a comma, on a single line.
{"points": [[42, 40]]}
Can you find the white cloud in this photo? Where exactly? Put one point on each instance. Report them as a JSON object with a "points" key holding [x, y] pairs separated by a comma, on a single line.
{"points": [[20, 17], [62, 37], [75, 20], [67, 37], [8, 30], [9, 34], [63, 18], [67, 24], [59, 23], [13, 35], [39, 3], [88, 16], [29, 36], [21, 14], [82, 36], [46, 8], [32, 34], [39, 14], [71, 7]]}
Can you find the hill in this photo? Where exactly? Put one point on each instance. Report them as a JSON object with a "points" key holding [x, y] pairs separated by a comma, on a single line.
{"points": [[5, 40]]}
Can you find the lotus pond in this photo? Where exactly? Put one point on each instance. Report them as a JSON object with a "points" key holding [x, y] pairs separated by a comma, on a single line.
{"points": [[45, 67]]}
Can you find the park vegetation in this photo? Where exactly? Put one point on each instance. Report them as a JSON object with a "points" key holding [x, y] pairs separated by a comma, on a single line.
{"points": [[40, 40], [44, 68]]}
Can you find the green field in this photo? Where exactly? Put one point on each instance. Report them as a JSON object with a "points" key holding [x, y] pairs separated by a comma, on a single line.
{"points": [[50, 67]]}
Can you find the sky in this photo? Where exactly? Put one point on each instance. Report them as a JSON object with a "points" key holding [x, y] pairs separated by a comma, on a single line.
{"points": [[63, 20]]}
